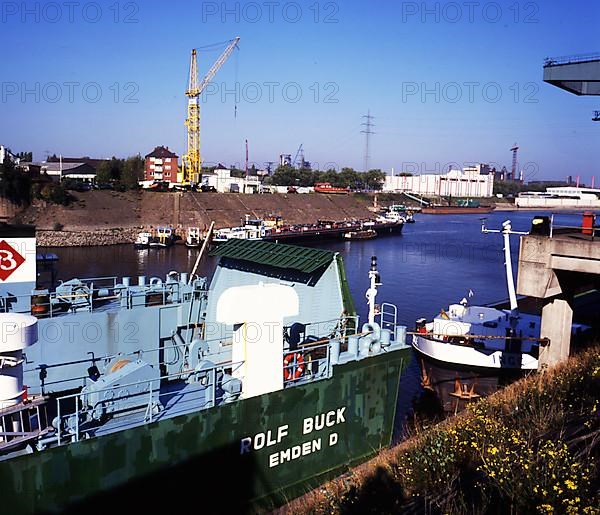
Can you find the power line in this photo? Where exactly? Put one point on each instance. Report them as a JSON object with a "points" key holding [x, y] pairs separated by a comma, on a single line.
{"points": [[368, 125]]}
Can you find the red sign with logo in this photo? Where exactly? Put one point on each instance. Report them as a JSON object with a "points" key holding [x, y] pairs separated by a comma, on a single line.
{"points": [[10, 260]]}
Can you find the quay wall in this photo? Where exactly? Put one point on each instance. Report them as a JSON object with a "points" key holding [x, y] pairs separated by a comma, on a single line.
{"points": [[110, 217]]}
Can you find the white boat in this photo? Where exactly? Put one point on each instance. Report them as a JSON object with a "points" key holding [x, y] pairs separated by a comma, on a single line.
{"points": [[390, 217], [399, 210], [252, 229], [143, 240], [479, 336], [193, 238], [165, 237]]}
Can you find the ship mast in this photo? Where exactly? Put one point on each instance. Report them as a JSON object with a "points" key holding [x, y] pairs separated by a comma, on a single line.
{"points": [[372, 291], [510, 281]]}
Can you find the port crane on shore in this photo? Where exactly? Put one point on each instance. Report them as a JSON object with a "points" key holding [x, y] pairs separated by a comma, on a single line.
{"points": [[192, 163], [298, 153]]}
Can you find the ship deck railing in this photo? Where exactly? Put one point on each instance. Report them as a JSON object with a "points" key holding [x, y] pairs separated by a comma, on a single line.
{"points": [[187, 391], [476, 340], [203, 391], [22, 423], [101, 294], [94, 359], [310, 362], [341, 328]]}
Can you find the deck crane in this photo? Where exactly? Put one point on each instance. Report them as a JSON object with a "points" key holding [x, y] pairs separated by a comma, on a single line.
{"points": [[192, 163]]}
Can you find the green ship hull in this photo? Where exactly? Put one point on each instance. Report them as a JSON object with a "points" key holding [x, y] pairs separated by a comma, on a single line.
{"points": [[250, 454]]}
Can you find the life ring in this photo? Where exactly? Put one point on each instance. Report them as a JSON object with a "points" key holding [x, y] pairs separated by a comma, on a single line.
{"points": [[290, 372]]}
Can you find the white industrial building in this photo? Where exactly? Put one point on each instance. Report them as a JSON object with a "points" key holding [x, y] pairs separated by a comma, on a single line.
{"points": [[560, 197], [472, 181], [223, 182], [5, 154]]}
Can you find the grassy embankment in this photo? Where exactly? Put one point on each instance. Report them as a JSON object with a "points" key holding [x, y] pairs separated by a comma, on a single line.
{"points": [[534, 447]]}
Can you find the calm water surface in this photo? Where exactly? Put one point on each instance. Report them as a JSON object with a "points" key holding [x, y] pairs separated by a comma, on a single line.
{"points": [[436, 261]]}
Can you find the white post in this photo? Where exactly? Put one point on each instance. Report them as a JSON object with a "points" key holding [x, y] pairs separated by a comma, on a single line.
{"points": [[372, 291], [510, 281]]}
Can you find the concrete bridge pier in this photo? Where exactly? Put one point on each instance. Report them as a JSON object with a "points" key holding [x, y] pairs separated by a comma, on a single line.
{"points": [[557, 318], [554, 267]]}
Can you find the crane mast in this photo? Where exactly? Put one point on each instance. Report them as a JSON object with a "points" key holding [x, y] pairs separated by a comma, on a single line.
{"points": [[192, 163]]}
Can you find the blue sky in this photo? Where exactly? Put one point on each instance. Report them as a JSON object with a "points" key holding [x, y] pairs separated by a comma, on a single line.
{"points": [[447, 82]]}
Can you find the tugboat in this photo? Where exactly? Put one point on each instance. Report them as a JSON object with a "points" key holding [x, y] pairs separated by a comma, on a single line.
{"points": [[193, 238], [136, 386], [362, 234], [165, 237], [143, 240]]}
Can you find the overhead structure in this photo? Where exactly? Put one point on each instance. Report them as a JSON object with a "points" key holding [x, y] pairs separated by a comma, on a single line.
{"points": [[368, 126], [578, 74], [298, 153], [513, 172], [192, 162]]}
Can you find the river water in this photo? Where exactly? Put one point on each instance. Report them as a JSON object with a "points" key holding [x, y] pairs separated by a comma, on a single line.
{"points": [[436, 261]]}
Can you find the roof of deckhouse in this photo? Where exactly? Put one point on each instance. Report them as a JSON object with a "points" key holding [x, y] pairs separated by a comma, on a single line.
{"points": [[302, 259]]}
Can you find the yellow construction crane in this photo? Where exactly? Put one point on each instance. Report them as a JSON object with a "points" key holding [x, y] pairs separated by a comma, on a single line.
{"points": [[192, 163]]}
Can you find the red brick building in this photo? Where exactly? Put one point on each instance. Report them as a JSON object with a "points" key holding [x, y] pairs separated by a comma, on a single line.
{"points": [[161, 165]]}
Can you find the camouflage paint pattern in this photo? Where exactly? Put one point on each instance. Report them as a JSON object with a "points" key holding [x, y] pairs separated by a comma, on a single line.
{"points": [[196, 460]]}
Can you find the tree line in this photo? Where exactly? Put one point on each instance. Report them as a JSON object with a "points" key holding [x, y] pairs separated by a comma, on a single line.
{"points": [[372, 180], [124, 174], [14, 185]]}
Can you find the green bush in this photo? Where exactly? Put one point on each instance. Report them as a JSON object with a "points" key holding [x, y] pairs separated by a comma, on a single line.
{"points": [[55, 193]]}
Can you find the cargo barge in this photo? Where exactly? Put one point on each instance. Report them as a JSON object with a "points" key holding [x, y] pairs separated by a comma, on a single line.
{"points": [[258, 229]]}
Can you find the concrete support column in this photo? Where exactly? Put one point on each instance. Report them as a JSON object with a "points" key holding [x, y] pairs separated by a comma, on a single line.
{"points": [[557, 318]]}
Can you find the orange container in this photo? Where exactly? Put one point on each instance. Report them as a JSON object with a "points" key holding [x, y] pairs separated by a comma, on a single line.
{"points": [[589, 219]]}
